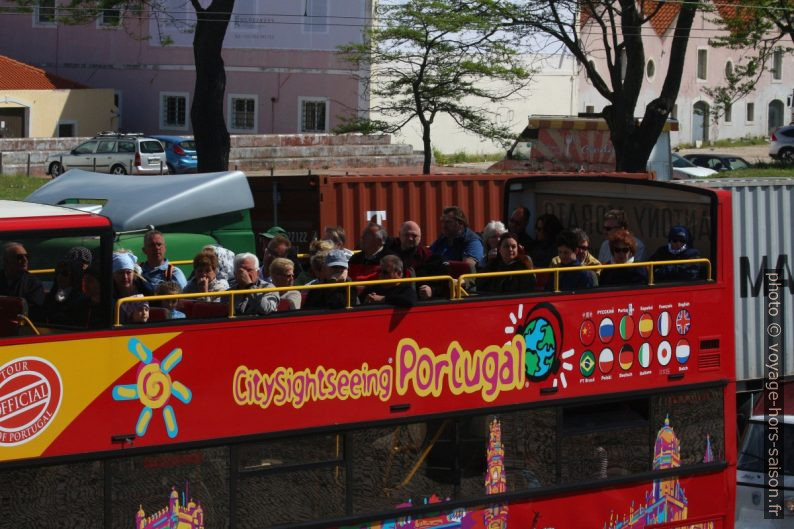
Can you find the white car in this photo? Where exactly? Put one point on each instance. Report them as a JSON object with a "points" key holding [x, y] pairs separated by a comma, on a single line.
{"points": [[114, 153], [683, 169]]}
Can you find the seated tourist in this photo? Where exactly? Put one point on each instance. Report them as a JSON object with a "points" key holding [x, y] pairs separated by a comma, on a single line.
{"points": [[157, 268], [567, 242], [225, 261], [246, 277], [65, 303], [490, 239], [396, 294], [547, 227], [205, 276], [334, 271], [363, 266], [622, 246], [582, 251], [80, 254], [169, 288], [338, 238], [282, 271], [511, 258], [418, 260], [312, 272], [135, 311], [678, 247], [16, 279], [92, 286], [126, 281]]}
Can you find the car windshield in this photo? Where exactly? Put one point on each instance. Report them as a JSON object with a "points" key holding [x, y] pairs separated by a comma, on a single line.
{"points": [[188, 145], [751, 452], [679, 161], [151, 146]]}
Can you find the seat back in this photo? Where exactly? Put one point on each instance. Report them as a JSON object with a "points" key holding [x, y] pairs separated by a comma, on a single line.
{"points": [[158, 313], [10, 309], [186, 306], [209, 309], [458, 268]]}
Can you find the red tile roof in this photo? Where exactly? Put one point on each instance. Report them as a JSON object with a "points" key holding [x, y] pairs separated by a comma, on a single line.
{"points": [[664, 17], [15, 75]]}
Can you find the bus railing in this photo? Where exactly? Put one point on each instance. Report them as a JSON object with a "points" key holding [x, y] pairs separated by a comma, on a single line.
{"points": [[230, 294], [557, 271]]}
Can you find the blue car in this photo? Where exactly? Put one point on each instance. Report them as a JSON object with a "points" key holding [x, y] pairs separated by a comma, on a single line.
{"points": [[180, 153]]}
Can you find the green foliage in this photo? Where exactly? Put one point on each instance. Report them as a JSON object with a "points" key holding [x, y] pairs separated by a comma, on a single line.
{"points": [[465, 157], [17, 187], [761, 170], [730, 142]]}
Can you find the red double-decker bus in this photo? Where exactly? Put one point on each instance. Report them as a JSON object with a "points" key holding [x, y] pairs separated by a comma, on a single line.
{"points": [[606, 408]]}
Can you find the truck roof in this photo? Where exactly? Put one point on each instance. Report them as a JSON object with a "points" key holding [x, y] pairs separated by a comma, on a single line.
{"points": [[26, 216], [133, 202]]}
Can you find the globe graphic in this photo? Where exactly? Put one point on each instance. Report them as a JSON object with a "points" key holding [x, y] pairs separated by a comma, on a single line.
{"points": [[541, 346]]}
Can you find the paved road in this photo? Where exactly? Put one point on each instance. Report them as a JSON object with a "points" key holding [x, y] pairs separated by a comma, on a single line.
{"points": [[751, 153]]}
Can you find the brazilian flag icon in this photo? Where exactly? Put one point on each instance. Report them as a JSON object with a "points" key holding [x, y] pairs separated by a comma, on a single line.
{"points": [[587, 363]]}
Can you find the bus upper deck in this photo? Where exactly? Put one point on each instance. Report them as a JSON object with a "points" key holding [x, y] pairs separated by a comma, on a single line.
{"points": [[450, 413]]}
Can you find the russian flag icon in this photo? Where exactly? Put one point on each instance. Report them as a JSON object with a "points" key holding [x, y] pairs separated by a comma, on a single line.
{"points": [[606, 330]]}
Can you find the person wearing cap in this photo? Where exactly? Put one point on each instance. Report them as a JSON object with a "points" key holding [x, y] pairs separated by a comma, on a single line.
{"points": [[125, 281], [246, 277], [457, 242], [334, 271], [79, 254], [157, 268], [16, 279], [679, 246]]}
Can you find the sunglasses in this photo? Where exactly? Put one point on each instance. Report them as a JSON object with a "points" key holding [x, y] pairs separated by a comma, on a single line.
{"points": [[621, 250], [583, 248], [610, 228], [678, 239], [22, 257]]}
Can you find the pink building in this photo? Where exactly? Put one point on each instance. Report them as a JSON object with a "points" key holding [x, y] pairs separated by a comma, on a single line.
{"points": [[284, 74], [767, 108]]}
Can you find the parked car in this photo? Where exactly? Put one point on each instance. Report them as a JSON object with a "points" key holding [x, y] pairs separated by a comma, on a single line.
{"points": [[180, 153], [111, 152], [782, 146], [718, 162], [684, 169]]}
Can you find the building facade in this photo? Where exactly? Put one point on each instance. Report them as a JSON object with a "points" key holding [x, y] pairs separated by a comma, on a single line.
{"points": [[283, 71], [705, 66]]}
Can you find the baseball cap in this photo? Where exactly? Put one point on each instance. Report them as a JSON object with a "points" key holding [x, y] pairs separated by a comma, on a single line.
{"points": [[336, 258], [272, 232]]}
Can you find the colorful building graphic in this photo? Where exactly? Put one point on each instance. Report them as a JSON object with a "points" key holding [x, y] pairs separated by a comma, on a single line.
{"points": [[666, 501], [175, 516], [495, 478]]}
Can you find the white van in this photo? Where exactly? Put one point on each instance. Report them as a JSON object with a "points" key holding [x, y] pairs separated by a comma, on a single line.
{"points": [[750, 467]]}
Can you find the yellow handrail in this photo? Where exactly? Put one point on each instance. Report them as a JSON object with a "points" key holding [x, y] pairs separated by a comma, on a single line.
{"points": [[231, 293], [556, 271]]}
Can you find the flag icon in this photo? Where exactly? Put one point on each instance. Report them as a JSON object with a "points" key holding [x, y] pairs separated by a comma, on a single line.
{"points": [[644, 354], [664, 353], [626, 357], [587, 363], [626, 327], [587, 332], [646, 325], [682, 351], [683, 321], [606, 330], [664, 323], [605, 360]]}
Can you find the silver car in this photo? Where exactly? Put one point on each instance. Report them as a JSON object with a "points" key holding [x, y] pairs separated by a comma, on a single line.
{"points": [[782, 146], [112, 153]]}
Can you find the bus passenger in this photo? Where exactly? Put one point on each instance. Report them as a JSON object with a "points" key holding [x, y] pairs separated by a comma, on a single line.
{"points": [[365, 265], [92, 277], [567, 242], [582, 252], [547, 227], [511, 258], [80, 254], [16, 280], [678, 247], [396, 294], [338, 237], [126, 282], [157, 268], [615, 219], [517, 223], [283, 273], [622, 246], [169, 288], [246, 277], [418, 260], [457, 242], [310, 275], [278, 246], [225, 261], [65, 303], [135, 311], [205, 276], [334, 271], [490, 238]]}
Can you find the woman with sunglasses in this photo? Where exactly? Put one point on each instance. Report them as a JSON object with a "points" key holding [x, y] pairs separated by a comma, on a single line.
{"points": [[678, 247], [622, 248]]}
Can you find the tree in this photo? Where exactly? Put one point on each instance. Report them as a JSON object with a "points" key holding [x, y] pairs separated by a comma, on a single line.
{"points": [[614, 30], [430, 57]]}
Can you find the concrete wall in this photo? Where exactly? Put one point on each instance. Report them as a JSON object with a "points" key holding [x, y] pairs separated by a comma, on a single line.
{"points": [[551, 91], [89, 110], [691, 92]]}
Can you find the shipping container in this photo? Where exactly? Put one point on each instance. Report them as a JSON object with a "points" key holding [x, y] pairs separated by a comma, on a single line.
{"points": [[305, 204], [763, 239]]}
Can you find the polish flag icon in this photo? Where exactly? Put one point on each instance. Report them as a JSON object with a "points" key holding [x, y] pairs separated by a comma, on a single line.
{"points": [[605, 360]]}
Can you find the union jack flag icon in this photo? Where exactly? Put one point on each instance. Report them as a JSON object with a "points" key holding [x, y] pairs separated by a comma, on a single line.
{"points": [[683, 321]]}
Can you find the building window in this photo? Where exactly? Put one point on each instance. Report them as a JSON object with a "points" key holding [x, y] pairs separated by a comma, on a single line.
{"points": [[67, 129], [173, 110], [45, 13], [750, 112], [777, 65], [650, 69], [109, 18], [728, 112], [315, 16], [702, 63], [242, 113], [313, 115]]}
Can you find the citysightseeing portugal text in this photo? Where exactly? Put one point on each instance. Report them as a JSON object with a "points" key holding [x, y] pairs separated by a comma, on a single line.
{"points": [[489, 371]]}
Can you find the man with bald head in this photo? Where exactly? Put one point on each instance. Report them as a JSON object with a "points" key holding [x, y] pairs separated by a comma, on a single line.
{"points": [[16, 279], [417, 258]]}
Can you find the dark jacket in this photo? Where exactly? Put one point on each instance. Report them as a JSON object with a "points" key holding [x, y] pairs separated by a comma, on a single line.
{"points": [[28, 287], [398, 295], [673, 272], [577, 280], [505, 284], [623, 276], [328, 298]]}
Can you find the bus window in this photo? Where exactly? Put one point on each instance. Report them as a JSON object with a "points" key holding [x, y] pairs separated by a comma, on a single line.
{"points": [[697, 419], [192, 485], [59, 495], [290, 480]]}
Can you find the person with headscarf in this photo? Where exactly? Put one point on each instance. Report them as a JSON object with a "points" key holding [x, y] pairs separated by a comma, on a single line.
{"points": [[679, 246], [126, 282]]}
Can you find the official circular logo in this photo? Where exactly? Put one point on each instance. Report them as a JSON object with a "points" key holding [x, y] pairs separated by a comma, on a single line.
{"points": [[30, 396]]}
